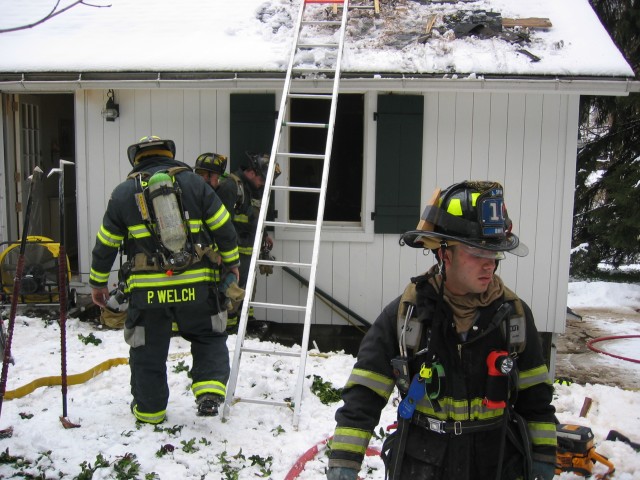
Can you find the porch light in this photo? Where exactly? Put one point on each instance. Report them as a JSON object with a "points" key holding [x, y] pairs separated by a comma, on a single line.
{"points": [[111, 110]]}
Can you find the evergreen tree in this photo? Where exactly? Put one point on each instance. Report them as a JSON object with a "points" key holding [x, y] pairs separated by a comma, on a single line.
{"points": [[607, 199]]}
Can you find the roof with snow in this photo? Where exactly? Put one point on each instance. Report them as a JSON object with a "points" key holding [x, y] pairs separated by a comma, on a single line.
{"points": [[242, 36]]}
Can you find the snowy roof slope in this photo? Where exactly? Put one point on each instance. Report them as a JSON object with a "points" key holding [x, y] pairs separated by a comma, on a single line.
{"points": [[256, 36]]}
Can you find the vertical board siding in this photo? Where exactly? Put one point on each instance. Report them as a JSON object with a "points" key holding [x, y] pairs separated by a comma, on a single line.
{"points": [[524, 141]]}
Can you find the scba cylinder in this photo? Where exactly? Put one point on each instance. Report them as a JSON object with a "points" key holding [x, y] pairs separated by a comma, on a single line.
{"points": [[168, 214]]}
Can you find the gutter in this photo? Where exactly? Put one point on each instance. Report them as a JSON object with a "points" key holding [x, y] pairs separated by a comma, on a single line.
{"points": [[350, 82]]}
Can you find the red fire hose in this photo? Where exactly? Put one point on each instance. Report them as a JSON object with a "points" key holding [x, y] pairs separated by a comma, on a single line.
{"points": [[591, 346], [310, 454]]}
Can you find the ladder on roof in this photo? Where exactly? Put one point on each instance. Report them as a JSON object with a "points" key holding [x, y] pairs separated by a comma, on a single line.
{"points": [[308, 30]]}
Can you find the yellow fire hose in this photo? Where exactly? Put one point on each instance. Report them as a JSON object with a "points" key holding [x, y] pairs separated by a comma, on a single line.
{"points": [[71, 379], [77, 378]]}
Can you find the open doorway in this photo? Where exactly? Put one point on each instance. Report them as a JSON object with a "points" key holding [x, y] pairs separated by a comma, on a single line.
{"points": [[40, 130]]}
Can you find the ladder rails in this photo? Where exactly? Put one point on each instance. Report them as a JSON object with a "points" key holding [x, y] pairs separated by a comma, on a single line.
{"points": [[279, 152]]}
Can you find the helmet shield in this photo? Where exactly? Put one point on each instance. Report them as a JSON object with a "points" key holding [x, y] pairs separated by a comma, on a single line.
{"points": [[150, 146], [472, 213], [211, 162]]}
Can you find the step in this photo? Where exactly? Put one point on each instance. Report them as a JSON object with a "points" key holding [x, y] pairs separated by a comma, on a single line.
{"points": [[305, 125], [264, 351], [317, 45], [312, 96], [307, 226], [279, 306], [292, 188], [317, 156], [277, 263]]}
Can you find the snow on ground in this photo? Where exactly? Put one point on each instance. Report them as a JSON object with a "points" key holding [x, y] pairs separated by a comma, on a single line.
{"points": [[257, 441]]}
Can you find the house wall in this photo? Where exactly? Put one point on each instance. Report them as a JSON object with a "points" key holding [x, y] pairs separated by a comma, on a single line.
{"points": [[525, 141]]}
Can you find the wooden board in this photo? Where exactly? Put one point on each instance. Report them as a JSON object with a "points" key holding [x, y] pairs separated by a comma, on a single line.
{"points": [[531, 22]]}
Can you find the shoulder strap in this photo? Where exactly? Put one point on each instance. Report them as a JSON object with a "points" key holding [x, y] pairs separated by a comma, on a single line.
{"points": [[409, 329], [240, 187]]}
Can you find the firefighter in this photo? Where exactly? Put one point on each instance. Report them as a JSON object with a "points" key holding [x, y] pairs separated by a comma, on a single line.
{"points": [[161, 216], [463, 351], [241, 192], [211, 166]]}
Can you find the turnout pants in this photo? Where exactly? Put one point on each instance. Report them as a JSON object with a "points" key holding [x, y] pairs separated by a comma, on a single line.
{"points": [[149, 331]]}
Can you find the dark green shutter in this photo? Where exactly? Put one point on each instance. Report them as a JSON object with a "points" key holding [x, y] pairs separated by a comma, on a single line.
{"points": [[253, 119], [398, 163]]}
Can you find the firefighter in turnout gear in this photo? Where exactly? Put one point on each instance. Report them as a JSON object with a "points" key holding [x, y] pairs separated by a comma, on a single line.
{"points": [[464, 353], [211, 166], [241, 192], [163, 217]]}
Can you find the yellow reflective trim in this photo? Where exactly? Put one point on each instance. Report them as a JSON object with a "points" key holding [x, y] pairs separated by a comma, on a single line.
{"points": [[458, 410], [245, 250], [218, 219], [156, 417], [534, 376], [380, 384], [211, 386], [543, 433], [240, 218], [474, 198], [195, 225], [139, 231], [455, 207], [350, 440], [153, 280], [231, 256], [99, 276], [108, 238]]}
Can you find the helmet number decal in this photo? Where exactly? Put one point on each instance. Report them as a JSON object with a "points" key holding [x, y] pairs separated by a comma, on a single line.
{"points": [[492, 218]]}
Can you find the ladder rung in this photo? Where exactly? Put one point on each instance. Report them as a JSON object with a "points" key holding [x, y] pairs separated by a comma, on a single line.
{"points": [[282, 353], [322, 22], [262, 401], [317, 156], [289, 188], [313, 70], [290, 224], [311, 96], [318, 45], [280, 306], [305, 125], [276, 263]]}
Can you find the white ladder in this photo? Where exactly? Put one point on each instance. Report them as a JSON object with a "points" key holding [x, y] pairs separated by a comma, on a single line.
{"points": [[280, 152]]}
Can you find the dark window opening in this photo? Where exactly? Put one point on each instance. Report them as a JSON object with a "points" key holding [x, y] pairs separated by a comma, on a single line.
{"points": [[344, 187]]}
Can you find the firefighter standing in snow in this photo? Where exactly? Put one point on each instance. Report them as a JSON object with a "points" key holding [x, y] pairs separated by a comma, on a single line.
{"points": [[166, 276], [476, 401], [241, 193]]}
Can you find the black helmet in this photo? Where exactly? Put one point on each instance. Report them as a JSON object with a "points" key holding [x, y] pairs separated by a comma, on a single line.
{"points": [[211, 162], [151, 146], [259, 163], [470, 212]]}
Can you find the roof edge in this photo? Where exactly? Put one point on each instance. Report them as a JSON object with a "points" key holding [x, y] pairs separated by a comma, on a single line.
{"points": [[351, 81]]}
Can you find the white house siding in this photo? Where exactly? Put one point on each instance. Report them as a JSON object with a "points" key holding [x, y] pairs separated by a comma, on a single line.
{"points": [[525, 141]]}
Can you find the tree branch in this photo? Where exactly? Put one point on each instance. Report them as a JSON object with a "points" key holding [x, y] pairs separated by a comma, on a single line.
{"points": [[54, 12]]}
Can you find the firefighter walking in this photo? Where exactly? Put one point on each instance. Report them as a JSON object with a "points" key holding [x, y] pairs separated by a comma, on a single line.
{"points": [[162, 216], [464, 353], [241, 193]]}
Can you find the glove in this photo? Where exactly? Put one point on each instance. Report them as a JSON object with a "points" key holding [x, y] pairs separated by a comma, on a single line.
{"points": [[342, 473], [543, 471]]}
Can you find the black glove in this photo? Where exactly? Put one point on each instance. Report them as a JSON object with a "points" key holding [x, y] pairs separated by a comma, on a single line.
{"points": [[543, 471], [342, 473]]}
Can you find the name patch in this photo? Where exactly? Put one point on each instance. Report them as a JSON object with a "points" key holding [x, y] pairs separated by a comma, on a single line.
{"points": [[171, 295]]}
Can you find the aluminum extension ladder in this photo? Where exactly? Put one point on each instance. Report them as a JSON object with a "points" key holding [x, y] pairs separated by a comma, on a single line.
{"points": [[280, 152]]}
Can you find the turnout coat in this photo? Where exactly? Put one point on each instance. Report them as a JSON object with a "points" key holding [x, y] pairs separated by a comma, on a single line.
{"points": [[209, 222], [447, 455]]}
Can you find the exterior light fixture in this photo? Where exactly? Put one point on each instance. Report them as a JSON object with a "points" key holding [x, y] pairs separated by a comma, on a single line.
{"points": [[111, 110]]}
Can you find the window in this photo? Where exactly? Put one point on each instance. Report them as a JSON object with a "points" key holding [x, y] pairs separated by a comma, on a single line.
{"points": [[344, 190]]}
